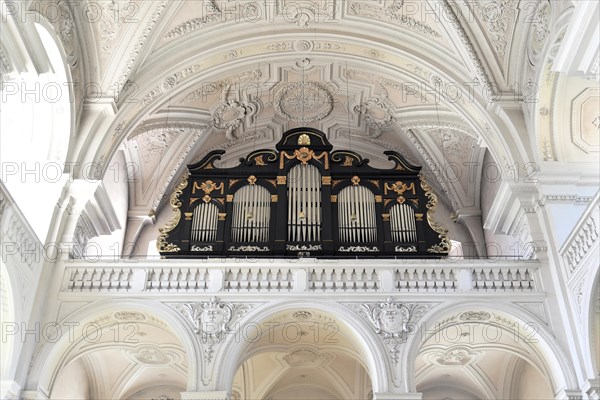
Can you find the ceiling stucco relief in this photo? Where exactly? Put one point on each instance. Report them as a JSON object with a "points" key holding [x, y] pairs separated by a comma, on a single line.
{"points": [[303, 358], [585, 120], [148, 147], [140, 44], [155, 355], [169, 83], [499, 18], [457, 151], [455, 356], [392, 321], [378, 114], [110, 18], [303, 101], [481, 75], [539, 19], [395, 14]]}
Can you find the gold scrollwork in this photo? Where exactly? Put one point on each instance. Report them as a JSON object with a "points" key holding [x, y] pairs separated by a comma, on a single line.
{"points": [[259, 161], [161, 243], [304, 155], [208, 187], [444, 245], [399, 187]]}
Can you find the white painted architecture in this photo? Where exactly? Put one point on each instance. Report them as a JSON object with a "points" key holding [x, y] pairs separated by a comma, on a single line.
{"points": [[105, 102]]}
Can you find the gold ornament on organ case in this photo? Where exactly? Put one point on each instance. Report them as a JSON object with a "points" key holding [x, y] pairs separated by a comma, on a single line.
{"points": [[207, 187], [400, 187], [304, 140]]}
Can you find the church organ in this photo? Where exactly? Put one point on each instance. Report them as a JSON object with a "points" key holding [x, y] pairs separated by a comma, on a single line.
{"points": [[303, 199]]}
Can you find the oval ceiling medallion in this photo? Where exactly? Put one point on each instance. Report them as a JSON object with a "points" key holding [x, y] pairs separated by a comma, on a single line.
{"points": [[303, 102]]}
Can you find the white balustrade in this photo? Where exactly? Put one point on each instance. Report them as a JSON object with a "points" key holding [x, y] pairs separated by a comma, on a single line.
{"points": [[303, 276]]}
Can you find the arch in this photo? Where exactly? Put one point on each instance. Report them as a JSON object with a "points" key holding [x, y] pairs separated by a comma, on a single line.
{"points": [[377, 359], [36, 146], [8, 315], [54, 356], [590, 312], [556, 363]]}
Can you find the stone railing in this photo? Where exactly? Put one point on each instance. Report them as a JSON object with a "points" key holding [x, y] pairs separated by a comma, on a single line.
{"points": [[305, 275], [583, 237]]}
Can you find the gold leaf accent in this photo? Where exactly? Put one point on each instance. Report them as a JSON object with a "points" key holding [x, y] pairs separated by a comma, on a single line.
{"points": [[281, 180], [252, 179], [206, 198], [222, 216], [188, 216], [374, 182], [208, 187], [444, 245], [355, 180], [259, 160], [272, 182], [326, 180], [334, 198], [399, 187], [378, 198], [419, 217], [348, 161], [161, 243], [304, 140], [386, 217], [274, 198], [229, 198]]}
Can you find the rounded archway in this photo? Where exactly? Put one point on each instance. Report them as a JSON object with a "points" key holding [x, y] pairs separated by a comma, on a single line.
{"points": [[472, 352], [129, 351], [311, 350]]}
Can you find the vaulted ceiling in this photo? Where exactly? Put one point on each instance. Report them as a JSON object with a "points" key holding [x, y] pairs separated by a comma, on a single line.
{"points": [[188, 77], [155, 85]]}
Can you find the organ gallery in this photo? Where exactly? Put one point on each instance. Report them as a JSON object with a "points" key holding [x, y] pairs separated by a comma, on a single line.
{"points": [[303, 199]]}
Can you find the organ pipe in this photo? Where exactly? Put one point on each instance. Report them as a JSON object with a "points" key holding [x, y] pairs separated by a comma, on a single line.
{"points": [[402, 223], [251, 214], [304, 203], [356, 215], [204, 223]]}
